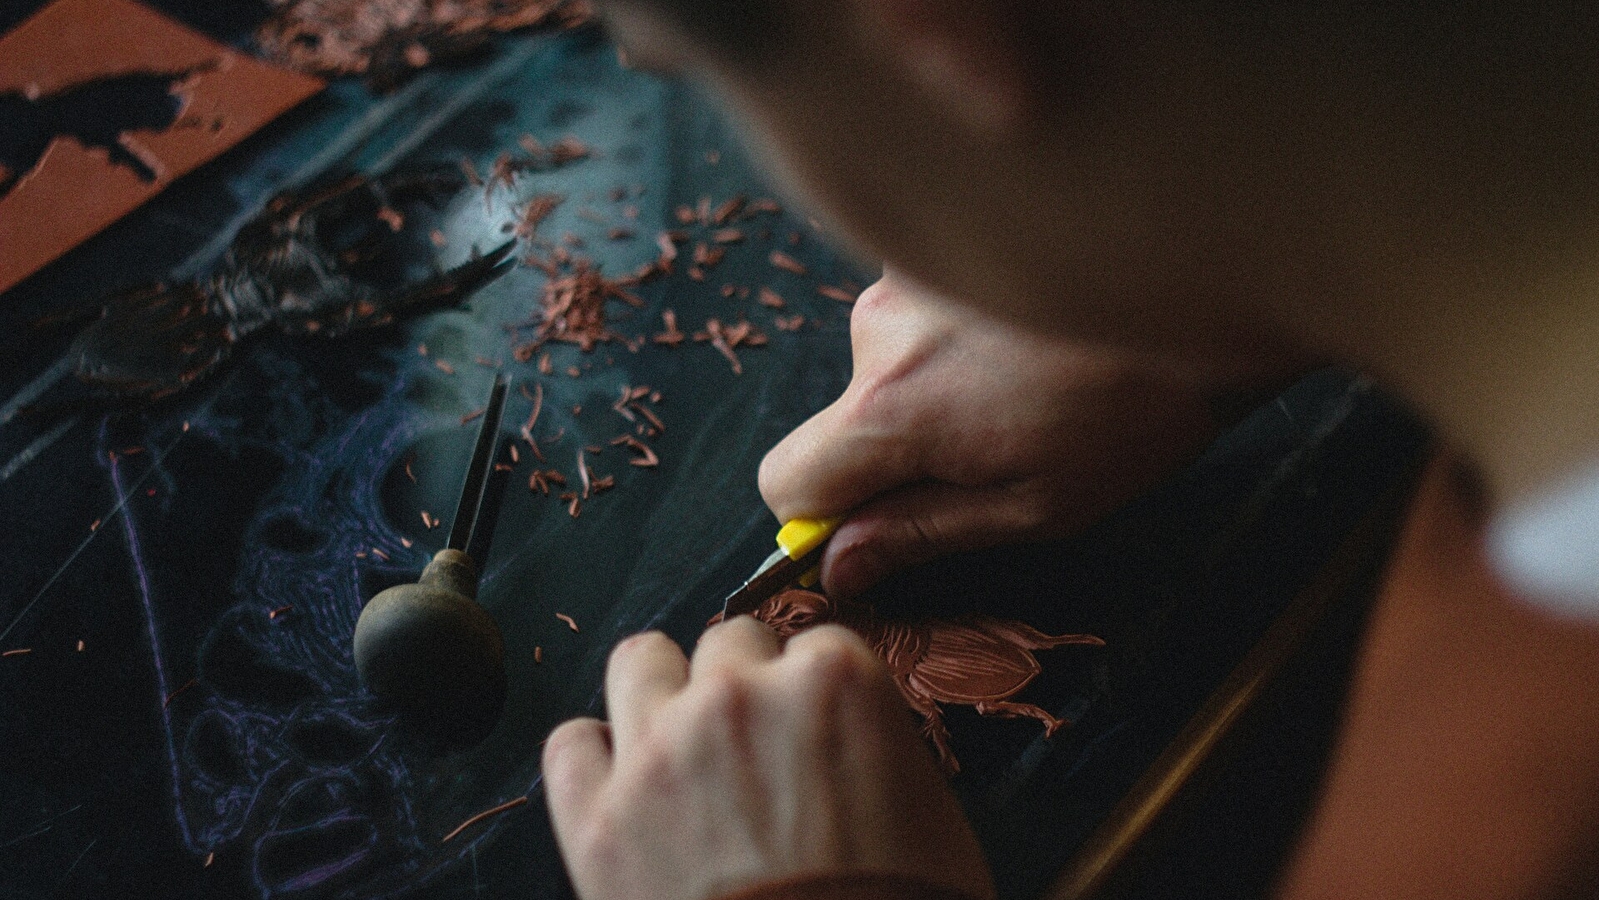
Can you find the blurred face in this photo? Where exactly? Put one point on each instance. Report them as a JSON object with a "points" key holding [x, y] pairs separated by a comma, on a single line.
{"points": [[1109, 177], [1083, 181]]}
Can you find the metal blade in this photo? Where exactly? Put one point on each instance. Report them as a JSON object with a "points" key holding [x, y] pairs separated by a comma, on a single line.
{"points": [[477, 472], [775, 574]]}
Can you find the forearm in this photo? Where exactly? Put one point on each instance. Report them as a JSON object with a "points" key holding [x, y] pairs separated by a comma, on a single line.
{"points": [[1468, 766]]}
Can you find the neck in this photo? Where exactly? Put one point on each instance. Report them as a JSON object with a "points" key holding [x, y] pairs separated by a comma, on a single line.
{"points": [[1454, 253], [1513, 383]]}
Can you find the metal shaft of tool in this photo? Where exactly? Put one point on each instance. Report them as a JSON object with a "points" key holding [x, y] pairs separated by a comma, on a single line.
{"points": [[777, 573], [477, 472]]}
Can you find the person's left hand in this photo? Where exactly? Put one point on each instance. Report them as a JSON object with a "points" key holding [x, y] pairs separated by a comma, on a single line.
{"points": [[755, 762]]}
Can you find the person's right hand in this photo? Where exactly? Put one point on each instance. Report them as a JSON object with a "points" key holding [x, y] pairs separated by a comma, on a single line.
{"points": [[959, 432]]}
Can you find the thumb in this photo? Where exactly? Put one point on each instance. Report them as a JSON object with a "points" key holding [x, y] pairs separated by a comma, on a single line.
{"points": [[919, 522], [834, 462]]}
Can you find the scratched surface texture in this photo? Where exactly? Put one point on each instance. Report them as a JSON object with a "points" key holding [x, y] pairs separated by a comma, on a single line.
{"points": [[200, 746]]}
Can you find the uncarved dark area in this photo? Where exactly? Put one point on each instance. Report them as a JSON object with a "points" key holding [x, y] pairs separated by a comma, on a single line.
{"points": [[211, 739]]}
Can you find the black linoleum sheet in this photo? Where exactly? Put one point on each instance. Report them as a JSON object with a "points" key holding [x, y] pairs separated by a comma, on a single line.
{"points": [[211, 738]]}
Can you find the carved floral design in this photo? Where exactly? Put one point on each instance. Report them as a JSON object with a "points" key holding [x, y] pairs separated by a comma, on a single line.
{"points": [[976, 660]]}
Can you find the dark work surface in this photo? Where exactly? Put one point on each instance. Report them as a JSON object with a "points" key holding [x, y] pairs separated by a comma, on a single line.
{"points": [[292, 470], [1228, 832]]}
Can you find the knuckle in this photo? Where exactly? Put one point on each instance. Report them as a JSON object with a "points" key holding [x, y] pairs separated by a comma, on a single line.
{"points": [[871, 309], [883, 299], [832, 655], [720, 729], [566, 744], [558, 746], [721, 700], [654, 766], [736, 629], [566, 737], [769, 477], [636, 643], [786, 472], [877, 294], [777, 474]]}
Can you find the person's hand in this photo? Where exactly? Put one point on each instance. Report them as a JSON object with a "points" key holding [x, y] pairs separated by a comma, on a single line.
{"points": [[755, 762], [959, 432]]}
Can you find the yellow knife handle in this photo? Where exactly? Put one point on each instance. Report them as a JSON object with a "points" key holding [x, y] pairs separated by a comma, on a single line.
{"points": [[798, 537]]}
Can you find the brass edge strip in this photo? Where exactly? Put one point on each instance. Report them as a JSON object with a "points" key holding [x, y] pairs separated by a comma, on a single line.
{"points": [[1088, 871]]}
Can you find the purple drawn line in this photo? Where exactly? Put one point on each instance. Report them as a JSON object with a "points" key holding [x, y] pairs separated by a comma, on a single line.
{"points": [[155, 464], [130, 531], [322, 873], [84, 544]]}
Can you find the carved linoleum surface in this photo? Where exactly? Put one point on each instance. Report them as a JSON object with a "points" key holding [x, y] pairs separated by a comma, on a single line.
{"points": [[212, 550]]}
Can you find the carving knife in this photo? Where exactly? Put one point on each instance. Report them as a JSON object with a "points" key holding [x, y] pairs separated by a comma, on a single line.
{"points": [[800, 543]]}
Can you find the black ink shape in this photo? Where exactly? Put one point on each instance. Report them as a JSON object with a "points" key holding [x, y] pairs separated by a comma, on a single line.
{"points": [[95, 114]]}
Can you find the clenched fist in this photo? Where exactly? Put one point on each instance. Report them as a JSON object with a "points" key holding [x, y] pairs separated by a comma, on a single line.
{"points": [[754, 762]]}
